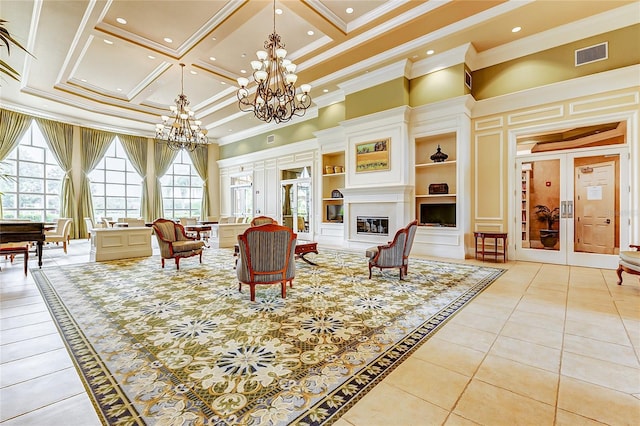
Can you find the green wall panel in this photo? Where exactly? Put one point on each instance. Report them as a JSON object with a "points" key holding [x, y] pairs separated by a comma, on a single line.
{"points": [[437, 86], [382, 97], [557, 64]]}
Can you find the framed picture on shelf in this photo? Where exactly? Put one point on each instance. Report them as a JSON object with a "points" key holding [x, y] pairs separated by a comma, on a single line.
{"points": [[373, 156]]}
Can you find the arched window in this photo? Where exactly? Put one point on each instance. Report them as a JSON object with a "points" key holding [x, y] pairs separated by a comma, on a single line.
{"points": [[32, 190], [115, 185], [181, 188]]}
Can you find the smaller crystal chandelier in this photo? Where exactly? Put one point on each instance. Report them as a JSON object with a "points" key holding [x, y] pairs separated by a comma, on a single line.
{"points": [[275, 98], [185, 132]]}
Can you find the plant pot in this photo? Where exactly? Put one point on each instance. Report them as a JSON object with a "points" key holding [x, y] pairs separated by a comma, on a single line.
{"points": [[548, 238]]}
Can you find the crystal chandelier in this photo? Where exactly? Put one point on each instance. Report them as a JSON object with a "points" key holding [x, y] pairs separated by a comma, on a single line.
{"points": [[185, 132], [275, 98]]}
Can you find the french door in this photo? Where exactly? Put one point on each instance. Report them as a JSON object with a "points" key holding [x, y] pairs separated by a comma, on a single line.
{"points": [[570, 208], [296, 206]]}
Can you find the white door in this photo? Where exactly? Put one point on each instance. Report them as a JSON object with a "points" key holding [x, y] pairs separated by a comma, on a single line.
{"points": [[580, 193]]}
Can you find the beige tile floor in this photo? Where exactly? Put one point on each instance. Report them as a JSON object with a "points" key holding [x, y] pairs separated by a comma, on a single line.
{"points": [[543, 345]]}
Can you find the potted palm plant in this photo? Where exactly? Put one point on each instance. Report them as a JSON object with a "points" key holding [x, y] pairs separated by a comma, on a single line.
{"points": [[549, 236]]}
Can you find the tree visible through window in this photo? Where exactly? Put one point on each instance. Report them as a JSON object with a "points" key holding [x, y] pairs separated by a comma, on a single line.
{"points": [[181, 189], [33, 189], [115, 185]]}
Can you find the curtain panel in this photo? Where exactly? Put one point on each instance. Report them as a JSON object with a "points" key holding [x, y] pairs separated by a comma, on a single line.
{"points": [[95, 144], [136, 149], [199, 157], [13, 126], [59, 137], [163, 159]]}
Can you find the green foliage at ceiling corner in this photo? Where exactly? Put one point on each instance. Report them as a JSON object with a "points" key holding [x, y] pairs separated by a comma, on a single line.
{"points": [[6, 40]]}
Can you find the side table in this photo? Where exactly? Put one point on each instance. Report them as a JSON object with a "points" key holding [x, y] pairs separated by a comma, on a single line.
{"points": [[495, 252]]}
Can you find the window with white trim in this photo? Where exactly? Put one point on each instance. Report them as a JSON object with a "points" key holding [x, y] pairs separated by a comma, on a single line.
{"points": [[33, 180], [181, 189]]}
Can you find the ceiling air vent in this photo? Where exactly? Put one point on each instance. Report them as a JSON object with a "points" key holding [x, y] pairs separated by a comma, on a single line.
{"points": [[596, 53], [271, 139]]}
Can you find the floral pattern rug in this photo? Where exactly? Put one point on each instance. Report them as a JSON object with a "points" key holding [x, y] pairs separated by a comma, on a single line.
{"points": [[185, 347]]}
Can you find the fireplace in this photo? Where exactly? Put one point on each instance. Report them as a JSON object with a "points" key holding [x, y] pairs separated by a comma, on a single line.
{"points": [[372, 225]]}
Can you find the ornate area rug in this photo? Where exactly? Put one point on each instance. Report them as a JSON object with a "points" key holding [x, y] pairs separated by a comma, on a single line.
{"points": [[167, 347]]}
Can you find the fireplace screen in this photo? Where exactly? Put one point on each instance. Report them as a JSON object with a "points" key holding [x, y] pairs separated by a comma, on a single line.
{"points": [[377, 225]]}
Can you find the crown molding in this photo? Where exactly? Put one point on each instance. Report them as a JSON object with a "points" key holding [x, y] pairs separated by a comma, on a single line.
{"points": [[269, 153], [455, 56], [622, 78], [379, 76], [329, 98]]}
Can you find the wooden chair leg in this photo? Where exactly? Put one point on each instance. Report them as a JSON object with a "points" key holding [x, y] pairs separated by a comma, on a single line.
{"points": [[162, 262], [369, 271], [64, 247], [177, 263], [619, 272], [252, 289], [283, 289]]}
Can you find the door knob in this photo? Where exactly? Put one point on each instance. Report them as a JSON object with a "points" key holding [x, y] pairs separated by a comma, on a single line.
{"points": [[608, 221]]}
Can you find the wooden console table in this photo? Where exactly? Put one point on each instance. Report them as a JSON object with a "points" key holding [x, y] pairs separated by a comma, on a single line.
{"points": [[495, 252]]}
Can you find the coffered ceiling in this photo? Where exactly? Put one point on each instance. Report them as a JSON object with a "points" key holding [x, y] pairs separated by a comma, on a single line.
{"points": [[115, 64]]}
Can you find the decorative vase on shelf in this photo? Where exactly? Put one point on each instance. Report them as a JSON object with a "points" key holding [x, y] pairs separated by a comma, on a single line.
{"points": [[439, 156]]}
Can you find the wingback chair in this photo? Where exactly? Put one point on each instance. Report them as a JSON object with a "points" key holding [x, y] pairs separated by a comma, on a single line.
{"points": [[629, 262], [60, 234], [411, 233], [262, 220], [390, 255], [174, 242], [266, 256]]}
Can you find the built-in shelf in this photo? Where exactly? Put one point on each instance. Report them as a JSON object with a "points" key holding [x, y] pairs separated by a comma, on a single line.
{"points": [[332, 206], [436, 181]]}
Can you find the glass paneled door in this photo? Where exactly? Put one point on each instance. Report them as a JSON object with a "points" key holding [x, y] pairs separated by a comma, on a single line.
{"points": [[296, 202], [568, 208]]}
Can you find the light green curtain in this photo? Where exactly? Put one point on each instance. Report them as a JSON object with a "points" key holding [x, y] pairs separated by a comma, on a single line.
{"points": [[13, 125], [95, 144], [136, 149], [12, 128], [59, 137], [163, 159], [199, 157]]}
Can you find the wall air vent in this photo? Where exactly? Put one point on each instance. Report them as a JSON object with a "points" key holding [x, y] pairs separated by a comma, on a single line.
{"points": [[590, 54], [271, 139]]}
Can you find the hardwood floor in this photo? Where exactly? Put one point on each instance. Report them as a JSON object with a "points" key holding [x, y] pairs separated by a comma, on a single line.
{"points": [[543, 345]]}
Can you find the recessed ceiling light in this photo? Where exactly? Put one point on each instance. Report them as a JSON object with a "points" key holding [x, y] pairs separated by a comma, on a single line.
{"points": [[223, 83], [84, 80], [430, 52], [516, 29], [214, 39], [278, 11], [310, 32], [325, 90], [415, 57], [244, 55], [193, 72], [168, 40], [243, 71], [211, 58], [230, 130], [121, 21], [349, 10], [119, 89], [151, 57], [108, 41]]}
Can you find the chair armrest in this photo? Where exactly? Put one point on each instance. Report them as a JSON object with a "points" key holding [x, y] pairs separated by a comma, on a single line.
{"points": [[637, 247]]}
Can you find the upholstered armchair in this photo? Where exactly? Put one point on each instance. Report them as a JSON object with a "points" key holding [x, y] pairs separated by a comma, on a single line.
{"points": [[60, 234], [629, 262], [174, 242], [390, 255], [262, 220], [266, 256], [411, 233]]}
